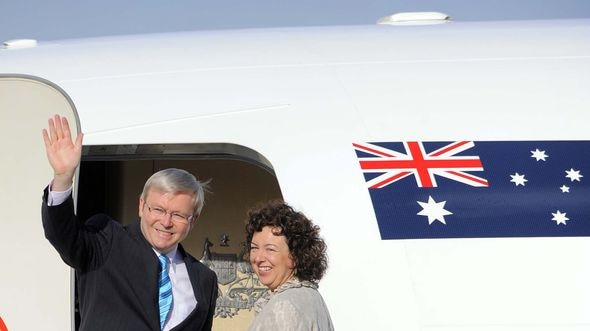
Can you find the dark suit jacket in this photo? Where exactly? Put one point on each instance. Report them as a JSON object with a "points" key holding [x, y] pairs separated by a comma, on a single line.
{"points": [[117, 272]]}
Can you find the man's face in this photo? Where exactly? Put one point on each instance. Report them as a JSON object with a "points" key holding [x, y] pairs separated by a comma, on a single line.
{"points": [[163, 232]]}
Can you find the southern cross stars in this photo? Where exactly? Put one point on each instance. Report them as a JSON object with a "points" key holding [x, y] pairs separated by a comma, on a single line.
{"points": [[573, 175], [518, 179], [435, 211], [539, 155], [559, 217]]}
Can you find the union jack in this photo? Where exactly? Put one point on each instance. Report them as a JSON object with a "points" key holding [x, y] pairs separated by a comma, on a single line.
{"points": [[424, 166]]}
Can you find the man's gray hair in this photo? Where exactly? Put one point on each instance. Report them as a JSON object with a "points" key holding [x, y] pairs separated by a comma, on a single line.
{"points": [[176, 181]]}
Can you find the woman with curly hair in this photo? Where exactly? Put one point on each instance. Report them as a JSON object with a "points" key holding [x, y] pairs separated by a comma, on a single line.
{"points": [[289, 257]]}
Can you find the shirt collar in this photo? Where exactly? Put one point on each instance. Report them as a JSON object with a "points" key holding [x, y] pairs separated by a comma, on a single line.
{"points": [[172, 255]]}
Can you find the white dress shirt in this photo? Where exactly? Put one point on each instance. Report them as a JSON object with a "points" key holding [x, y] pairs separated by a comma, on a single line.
{"points": [[55, 198], [183, 296]]}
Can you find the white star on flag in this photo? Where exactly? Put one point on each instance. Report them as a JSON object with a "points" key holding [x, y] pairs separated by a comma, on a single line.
{"points": [[564, 189], [518, 179], [559, 217], [435, 211], [573, 175], [539, 155]]}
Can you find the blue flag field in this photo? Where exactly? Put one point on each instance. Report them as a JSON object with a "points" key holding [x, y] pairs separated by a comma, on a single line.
{"points": [[475, 189]]}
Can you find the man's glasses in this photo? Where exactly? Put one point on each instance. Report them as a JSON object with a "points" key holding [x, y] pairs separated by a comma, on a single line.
{"points": [[175, 216]]}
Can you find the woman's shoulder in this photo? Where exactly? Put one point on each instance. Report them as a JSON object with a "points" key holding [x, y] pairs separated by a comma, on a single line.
{"points": [[303, 299], [297, 308], [295, 288]]}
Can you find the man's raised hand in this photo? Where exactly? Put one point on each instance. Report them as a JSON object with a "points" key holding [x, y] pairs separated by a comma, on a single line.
{"points": [[62, 153]]}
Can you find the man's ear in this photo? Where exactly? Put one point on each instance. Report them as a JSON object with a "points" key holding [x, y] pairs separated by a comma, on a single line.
{"points": [[141, 205], [193, 221]]}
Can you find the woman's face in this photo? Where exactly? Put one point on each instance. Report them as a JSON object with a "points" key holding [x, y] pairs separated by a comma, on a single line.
{"points": [[270, 258]]}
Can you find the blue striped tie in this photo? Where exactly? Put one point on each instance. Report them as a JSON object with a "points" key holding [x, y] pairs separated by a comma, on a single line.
{"points": [[165, 292]]}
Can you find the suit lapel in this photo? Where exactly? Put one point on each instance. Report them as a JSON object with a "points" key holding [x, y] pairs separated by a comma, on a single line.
{"points": [[148, 276], [192, 274]]}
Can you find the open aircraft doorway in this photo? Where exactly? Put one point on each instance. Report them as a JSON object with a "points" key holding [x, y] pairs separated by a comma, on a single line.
{"points": [[111, 181]]}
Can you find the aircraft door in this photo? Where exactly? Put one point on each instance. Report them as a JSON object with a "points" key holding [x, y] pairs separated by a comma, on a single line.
{"points": [[35, 285]]}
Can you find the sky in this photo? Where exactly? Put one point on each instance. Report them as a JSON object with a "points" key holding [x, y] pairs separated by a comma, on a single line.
{"points": [[65, 19]]}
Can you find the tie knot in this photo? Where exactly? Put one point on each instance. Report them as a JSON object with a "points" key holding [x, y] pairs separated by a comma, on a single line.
{"points": [[163, 262]]}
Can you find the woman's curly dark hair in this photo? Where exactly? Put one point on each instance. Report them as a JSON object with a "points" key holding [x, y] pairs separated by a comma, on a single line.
{"points": [[306, 247]]}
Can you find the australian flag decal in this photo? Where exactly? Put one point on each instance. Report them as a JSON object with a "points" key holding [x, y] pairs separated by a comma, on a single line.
{"points": [[468, 189]]}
